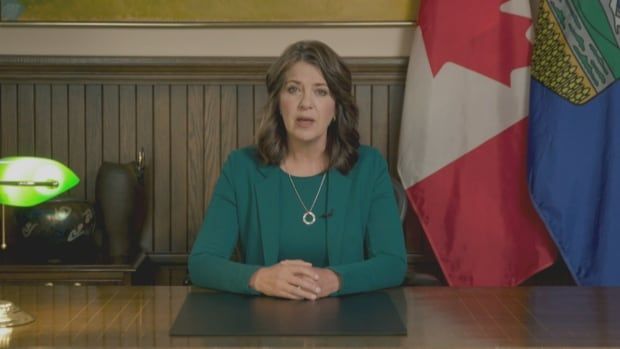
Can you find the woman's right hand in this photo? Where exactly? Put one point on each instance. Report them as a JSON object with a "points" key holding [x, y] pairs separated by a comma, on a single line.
{"points": [[292, 279]]}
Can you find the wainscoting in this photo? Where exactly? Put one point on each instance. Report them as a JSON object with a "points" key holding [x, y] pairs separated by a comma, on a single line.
{"points": [[186, 113]]}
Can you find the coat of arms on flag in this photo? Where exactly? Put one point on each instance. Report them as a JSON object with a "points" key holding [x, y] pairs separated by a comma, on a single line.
{"points": [[574, 138]]}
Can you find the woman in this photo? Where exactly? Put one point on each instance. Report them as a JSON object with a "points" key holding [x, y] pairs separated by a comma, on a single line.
{"points": [[311, 210]]}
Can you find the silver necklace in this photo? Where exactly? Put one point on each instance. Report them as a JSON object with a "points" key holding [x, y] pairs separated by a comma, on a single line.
{"points": [[308, 218]]}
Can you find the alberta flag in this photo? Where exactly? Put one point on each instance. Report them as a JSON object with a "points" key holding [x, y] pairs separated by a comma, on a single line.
{"points": [[462, 152], [574, 155]]}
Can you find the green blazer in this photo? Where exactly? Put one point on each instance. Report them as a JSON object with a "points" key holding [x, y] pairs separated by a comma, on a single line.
{"points": [[365, 242]]}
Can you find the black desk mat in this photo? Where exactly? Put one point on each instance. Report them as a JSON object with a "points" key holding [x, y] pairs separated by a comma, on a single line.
{"points": [[225, 314]]}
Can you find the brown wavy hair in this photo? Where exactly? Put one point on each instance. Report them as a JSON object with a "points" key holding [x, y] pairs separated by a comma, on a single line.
{"points": [[342, 136]]}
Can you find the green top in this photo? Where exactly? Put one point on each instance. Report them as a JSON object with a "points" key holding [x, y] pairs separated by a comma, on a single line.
{"points": [[298, 240], [363, 235]]}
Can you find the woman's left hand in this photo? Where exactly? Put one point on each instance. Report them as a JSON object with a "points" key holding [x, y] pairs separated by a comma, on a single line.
{"points": [[329, 281]]}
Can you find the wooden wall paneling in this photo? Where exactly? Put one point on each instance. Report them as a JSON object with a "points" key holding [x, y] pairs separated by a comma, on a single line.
{"points": [[260, 99], [415, 240], [8, 120], [111, 123], [363, 98], [25, 119], [60, 123], [245, 115], [212, 140], [144, 139], [395, 107], [228, 141], [379, 122], [161, 168], [94, 134], [178, 275], [162, 276], [127, 124], [178, 168], [77, 138], [171, 275], [195, 163], [43, 120], [187, 129]]}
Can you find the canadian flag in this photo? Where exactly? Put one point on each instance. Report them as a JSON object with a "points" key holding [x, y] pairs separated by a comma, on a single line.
{"points": [[462, 152]]}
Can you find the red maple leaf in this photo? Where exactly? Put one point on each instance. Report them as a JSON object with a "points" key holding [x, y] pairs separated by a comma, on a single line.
{"points": [[476, 35]]}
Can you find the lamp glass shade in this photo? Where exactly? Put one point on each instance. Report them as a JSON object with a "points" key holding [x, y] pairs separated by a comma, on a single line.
{"points": [[22, 180]]}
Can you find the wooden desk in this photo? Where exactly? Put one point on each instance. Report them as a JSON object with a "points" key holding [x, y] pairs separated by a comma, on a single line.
{"points": [[116, 316]]}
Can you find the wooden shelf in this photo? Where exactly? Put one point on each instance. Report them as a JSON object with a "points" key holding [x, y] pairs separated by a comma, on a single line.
{"points": [[121, 273]]}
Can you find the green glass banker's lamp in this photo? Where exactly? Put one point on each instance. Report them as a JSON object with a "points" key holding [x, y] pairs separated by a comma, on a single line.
{"points": [[24, 182]]}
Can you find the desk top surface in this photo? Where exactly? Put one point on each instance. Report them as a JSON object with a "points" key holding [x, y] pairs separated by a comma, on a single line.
{"points": [[117, 316]]}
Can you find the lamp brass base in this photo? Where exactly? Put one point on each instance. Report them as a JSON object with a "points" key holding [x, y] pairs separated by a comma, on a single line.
{"points": [[11, 315]]}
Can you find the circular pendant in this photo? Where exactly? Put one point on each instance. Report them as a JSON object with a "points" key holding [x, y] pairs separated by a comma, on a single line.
{"points": [[309, 218]]}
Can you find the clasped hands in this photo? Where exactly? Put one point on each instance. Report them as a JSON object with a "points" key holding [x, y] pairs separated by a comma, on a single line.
{"points": [[295, 279]]}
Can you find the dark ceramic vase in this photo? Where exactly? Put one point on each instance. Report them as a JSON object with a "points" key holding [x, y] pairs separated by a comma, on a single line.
{"points": [[119, 195], [57, 231]]}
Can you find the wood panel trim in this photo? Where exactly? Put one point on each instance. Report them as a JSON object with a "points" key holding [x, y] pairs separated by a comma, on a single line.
{"points": [[168, 258], [174, 69]]}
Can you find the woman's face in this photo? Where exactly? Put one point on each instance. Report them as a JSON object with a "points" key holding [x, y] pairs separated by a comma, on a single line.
{"points": [[306, 105]]}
